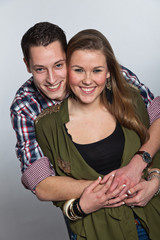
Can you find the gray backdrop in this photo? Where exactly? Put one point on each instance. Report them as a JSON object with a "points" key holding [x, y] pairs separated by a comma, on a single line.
{"points": [[132, 27]]}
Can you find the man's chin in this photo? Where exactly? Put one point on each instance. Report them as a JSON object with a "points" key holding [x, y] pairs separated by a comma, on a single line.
{"points": [[56, 96]]}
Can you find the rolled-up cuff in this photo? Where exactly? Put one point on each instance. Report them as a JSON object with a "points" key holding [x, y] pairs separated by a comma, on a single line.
{"points": [[36, 172], [154, 109]]}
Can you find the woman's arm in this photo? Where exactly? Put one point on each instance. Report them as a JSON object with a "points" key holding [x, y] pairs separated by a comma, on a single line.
{"points": [[144, 191]]}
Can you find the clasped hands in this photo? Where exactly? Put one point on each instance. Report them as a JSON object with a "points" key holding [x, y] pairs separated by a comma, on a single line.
{"points": [[122, 186]]}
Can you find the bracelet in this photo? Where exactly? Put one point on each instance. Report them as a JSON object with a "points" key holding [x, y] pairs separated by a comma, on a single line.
{"points": [[77, 208], [149, 178], [83, 213], [154, 171], [69, 212]]}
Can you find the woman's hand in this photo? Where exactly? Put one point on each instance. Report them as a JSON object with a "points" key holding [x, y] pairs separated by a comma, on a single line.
{"points": [[143, 192], [96, 196], [130, 175]]}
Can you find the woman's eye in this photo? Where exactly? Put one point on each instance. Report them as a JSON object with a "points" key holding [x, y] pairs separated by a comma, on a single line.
{"points": [[97, 70], [78, 70]]}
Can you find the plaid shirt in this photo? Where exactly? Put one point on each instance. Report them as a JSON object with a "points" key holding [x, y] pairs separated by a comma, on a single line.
{"points": [[27, 105]]}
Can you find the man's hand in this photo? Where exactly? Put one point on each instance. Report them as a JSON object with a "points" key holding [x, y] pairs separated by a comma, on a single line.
{"points": [[129, 175]]}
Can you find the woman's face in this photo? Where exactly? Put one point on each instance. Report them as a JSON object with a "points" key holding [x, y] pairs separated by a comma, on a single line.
{"points": [[87, 72]]}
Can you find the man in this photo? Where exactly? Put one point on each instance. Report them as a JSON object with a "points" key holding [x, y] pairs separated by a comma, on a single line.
{"points": [[44, 47]]}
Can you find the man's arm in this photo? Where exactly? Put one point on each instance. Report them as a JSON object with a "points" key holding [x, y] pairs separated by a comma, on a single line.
{"points": [[131, 174], [37, 172], [131, 78]]}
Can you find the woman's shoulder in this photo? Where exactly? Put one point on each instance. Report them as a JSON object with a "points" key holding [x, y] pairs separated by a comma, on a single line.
{"points": [[46, 113], [58, 111]]}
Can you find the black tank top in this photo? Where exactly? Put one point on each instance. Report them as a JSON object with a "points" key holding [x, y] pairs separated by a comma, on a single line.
{"points": [[105, 155]]}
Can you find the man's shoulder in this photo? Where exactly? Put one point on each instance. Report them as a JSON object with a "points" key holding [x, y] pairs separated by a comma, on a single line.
{"points": [[129, 75], [28, 88], [24, 95]]}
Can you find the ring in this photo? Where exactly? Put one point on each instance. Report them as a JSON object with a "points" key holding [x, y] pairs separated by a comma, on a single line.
{"points": [[107, 202]]}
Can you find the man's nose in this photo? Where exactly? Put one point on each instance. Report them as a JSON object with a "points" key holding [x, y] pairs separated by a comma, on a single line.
{"points": [[51, 77]]}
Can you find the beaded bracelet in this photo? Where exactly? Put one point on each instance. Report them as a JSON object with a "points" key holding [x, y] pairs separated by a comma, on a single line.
{"points": [[154, 171], [77, 208], [83, 213], [149, 178]]}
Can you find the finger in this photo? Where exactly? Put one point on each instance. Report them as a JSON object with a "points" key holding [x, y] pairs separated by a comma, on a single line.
{"points": [[117, 199], [106, 177], [106, 186], [115, 205], [116, 192], [124, 190], [134, 189], [133, 200], [94, 184], [113, 186]]}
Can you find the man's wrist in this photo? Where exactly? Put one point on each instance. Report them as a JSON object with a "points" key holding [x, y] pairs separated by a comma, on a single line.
{"points": [[138, 161], [146, 157]]}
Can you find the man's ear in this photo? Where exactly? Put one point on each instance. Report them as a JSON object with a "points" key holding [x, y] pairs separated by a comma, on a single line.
{"points": [[27, 66]]}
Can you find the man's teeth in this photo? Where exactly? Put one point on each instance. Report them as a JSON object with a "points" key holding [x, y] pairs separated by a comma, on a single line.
{"points": [[54, 87]]}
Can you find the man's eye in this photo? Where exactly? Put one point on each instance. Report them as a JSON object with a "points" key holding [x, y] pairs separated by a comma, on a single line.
{"points": [[60, 65], [39, 70]]}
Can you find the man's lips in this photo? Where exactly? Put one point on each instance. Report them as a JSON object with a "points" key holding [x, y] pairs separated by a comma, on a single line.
{"points": [[54, 87]]}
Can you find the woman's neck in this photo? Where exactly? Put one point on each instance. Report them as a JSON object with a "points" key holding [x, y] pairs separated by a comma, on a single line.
{"points": [[77, 107]]}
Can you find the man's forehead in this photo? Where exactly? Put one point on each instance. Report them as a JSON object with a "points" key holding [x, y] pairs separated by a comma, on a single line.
{"points": [[52, 52]]}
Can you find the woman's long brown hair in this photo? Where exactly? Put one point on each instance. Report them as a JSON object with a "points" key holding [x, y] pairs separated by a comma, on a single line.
{"points": [[123, 104]]}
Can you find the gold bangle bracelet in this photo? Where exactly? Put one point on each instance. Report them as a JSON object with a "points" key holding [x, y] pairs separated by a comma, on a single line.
{"points": [[66, 206], [68, 210]]}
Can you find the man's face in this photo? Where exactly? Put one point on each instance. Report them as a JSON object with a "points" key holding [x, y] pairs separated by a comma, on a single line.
{"points": [[48, 67]]}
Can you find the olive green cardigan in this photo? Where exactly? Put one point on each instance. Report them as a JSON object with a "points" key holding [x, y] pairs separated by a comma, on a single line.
{"points": [[110, 223]]}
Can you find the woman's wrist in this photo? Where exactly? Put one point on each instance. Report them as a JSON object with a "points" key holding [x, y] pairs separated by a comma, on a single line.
{"points": [[73, 210], [154, 174]]}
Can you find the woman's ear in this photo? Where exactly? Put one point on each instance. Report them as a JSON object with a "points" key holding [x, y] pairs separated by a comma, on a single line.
{"points": [[108, 75]]}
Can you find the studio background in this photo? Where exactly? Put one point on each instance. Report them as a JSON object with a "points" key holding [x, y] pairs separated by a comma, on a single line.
{"points": [[133, 29]]}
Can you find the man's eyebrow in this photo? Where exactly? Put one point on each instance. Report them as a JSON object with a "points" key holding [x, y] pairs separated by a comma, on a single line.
{"points": [[41, 66], [37, 65], [61, 60]]}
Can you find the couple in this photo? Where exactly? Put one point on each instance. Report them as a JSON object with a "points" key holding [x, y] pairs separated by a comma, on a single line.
{"points": [[63, 188]]}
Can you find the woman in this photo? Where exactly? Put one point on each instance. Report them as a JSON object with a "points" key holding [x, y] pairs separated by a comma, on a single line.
{"points": [[97, 129]]}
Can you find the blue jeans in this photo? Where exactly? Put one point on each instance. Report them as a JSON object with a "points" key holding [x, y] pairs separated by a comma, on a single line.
{"points": [[72, 236], [142, 235]]}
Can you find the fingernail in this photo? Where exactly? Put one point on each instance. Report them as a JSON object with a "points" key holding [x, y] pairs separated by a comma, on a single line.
{"points": [[123, 203], [125, 195], [129, 192], [113, 175], [99, 177], [124, 185]]}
